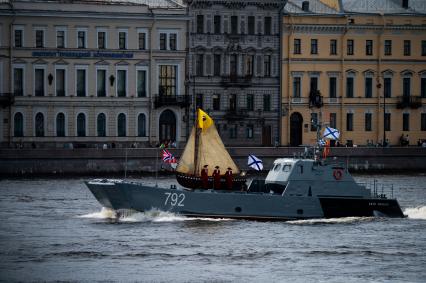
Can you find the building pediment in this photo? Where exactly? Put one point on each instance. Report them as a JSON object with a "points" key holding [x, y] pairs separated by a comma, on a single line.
{"points": [[351, 72], [19, 61], [102, 63], [122, 63], [40, 62], [407, 72], [60, 62], [142, 63], [369, 72], [388, 72]]}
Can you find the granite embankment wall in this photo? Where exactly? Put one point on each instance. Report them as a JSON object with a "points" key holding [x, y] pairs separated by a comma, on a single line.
{"points": [[106, 161]]}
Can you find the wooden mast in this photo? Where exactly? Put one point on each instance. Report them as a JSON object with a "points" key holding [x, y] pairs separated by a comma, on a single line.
{"points": [[196, 145]]}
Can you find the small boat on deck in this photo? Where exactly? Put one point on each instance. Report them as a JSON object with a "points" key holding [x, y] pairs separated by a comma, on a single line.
{"points": [[295, 188]]}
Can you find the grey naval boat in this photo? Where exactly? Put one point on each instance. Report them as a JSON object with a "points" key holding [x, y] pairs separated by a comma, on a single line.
{"points": [[294, 188]]}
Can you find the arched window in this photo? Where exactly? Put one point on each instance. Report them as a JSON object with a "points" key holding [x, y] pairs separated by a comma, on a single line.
{"points": [[60, 125], [81, 125], [101, 125], [121, 125], [39, 125], [141, 125], [18, 125]]}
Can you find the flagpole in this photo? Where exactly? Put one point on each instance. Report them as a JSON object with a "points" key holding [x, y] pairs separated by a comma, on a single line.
{"points": [[156, 168]]}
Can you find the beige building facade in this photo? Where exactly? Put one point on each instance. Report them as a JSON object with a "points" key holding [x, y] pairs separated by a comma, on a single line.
{"points": [[358, 67], [92, 73]]}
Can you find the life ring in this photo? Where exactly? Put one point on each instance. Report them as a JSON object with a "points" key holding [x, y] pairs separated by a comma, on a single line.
{"points": [[338, 174]]}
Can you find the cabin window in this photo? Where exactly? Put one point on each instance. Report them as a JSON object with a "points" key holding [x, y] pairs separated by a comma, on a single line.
{"points": [[277, 167], [286, 168], [301, 169]]}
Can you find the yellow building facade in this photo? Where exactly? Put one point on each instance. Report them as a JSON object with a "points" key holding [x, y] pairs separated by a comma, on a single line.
{"points": [[360, 71]]}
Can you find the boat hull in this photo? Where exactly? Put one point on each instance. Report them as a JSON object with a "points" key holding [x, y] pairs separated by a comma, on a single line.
{"points": [[237, 204]]}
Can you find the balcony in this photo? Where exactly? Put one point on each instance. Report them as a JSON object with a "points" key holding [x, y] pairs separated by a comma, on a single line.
{"points": [[6, 99], [172, 100], [413, 102], [236, 114], [236, 81]]}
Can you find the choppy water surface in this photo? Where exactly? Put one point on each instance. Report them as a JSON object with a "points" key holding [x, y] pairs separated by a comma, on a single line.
{"points": [[54, 230]]}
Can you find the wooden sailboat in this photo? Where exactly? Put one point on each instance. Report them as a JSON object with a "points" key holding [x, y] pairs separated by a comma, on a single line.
{"points": [[205, 147]]}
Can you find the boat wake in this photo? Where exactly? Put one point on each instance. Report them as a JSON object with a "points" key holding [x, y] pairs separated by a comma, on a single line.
{"points": [[416, 212], [153, 215], [343, 220]]}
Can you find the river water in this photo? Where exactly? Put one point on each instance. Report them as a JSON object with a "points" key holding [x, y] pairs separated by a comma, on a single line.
{"points": [[55, 230]]}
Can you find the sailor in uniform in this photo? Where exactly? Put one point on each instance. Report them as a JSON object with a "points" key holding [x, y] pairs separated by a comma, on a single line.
{"points": [[205, 177], [228, 178], [216, 178]]}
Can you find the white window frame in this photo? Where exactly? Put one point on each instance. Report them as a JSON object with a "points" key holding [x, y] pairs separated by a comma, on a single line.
{"points": [[146, 69], [410, 76], [105, 68], [43, 67], [18, 66], [145, 31], [86, 119], [86, 68], [105, 112], [65, 68], [127, 123], [21, 28], [66, 122], [44, 112], [178, 67], [43, 29], [119, 68], [126, 43], [85, 37], [64, 29], [23, 112], [353, 76], [146, 124], [168, 32], [105, 30]]}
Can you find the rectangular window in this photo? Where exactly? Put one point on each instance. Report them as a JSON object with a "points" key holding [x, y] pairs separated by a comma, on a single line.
{"points": [[249, 65], [388, 47], [407, 47], [368, 47], [200, 24], [163, 41], [251, 25], [18, 81], [172, 41], [167, 80], [297, 47], [60, 39], [349, 122], [350, 87], [39, 82], [121, 83], [387, 87], [406, 87], [122, 40], [81, 82], [233, 132], [233, 102], [101, 83], [142, 40], [200, 65], [405, 122], [350, 47], [314, 121], [101, 39], [423, 122], [333, 120], [267, 65], [141, 84], [333, 87], [368, 87], [250, 102], [267, 102], [313, 84], [216, 22], [387, 121], [423, 87], [233, 64], [268, 25], [217, 64], [367, 123], [39, 38], [216, 102], [423, 47], [199, 100], [234, 24], [60, 82], [81, 39], [333, 47], [314, 46], [249, 131], [296, 87], [18, 37]]}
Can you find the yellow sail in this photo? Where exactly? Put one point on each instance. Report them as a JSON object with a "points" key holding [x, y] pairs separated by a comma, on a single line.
{"points": [[211, 151]]}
